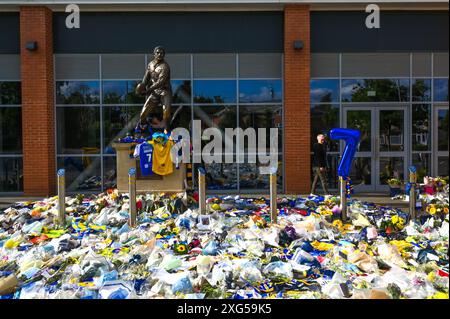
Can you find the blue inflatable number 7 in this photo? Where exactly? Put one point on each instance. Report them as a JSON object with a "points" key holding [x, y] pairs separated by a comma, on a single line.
{"points": [[351, 138]]}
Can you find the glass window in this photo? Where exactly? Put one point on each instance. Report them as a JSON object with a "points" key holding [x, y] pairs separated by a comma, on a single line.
{"points": [[11, 174], [443, 166], [421, 133], [219, 176], [267, 117], [11, 130], [332, 176], [440, 90], [214, 91], [82, 173], [421, 90], [443, 130], [422, 161], [220, 117], [10, 93], [117, 122], [181, 91], [376, 90], [250, 177], [324, 91], [109, 172], [324, 117], [181, 116], [260, 91], [119, 92], [77, 92], [78, 130]]}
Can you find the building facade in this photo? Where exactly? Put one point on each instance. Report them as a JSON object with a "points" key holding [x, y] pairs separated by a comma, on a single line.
{"points": [[303, 67]]}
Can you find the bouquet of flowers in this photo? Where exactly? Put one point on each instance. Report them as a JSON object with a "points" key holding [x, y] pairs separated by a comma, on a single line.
{"points": [[439, 183], [392, 224], [394, 182], [440, 209]]}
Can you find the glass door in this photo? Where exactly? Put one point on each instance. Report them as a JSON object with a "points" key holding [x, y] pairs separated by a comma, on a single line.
{"points": [[391, 146], [441, 126], [362, 171], [382, 151]]}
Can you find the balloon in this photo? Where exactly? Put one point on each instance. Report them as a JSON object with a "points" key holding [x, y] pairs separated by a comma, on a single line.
{"points": [[351, 138]]}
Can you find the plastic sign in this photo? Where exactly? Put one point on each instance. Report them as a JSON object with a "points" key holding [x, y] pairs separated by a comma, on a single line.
{"points": [[351, 138]]}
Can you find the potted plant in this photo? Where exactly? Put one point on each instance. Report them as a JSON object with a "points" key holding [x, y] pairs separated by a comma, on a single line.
{"points": [[394, 186]]}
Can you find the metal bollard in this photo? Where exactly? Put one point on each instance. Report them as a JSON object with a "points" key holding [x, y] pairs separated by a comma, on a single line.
{"points": [[273, 196], [132, 194], [61, 197], [343, 195], [412, 192], [202, 190]]}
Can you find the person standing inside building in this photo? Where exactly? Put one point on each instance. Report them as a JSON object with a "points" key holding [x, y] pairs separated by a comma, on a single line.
{"points": [[320, 164]]}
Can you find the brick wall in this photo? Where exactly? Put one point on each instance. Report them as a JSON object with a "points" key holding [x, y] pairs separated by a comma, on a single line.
{"points": [[296, 100], [38, 127]]}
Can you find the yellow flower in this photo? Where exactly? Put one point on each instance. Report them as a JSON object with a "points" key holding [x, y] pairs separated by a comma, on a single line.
{"points": [[432, 210], [394, 219], [337, 223], [439, 295]]}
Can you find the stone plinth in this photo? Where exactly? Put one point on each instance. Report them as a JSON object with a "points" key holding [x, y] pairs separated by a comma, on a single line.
{"points": [[173, 183]]}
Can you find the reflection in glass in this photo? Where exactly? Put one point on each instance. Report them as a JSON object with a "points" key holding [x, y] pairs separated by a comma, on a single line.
{"points": [[181, 116], [391, 131], [11, 174], [10, 130], [10, 93], [332, 177], [181, 91], [214, 91], [250, 177], [221, 117], [78, 130], [120, 92], [361, 120], [391, 167], [219, 176], [421, 90], [377, 90], [324, 91], [421, 134], [443, 166], [422, 161], [109, 172], [77, 92], [267, 116], [82, 173], [440, 88], [324, 117], [117, 122], [443, 130], [361, 171], [260, 91]]}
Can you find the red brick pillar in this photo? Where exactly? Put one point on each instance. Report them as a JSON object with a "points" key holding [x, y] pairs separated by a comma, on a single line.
{"points": [[296, 100], [38, 110]]}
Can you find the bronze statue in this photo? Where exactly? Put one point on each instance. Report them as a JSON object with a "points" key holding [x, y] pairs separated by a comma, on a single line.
{"points": [[157, 88]]}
